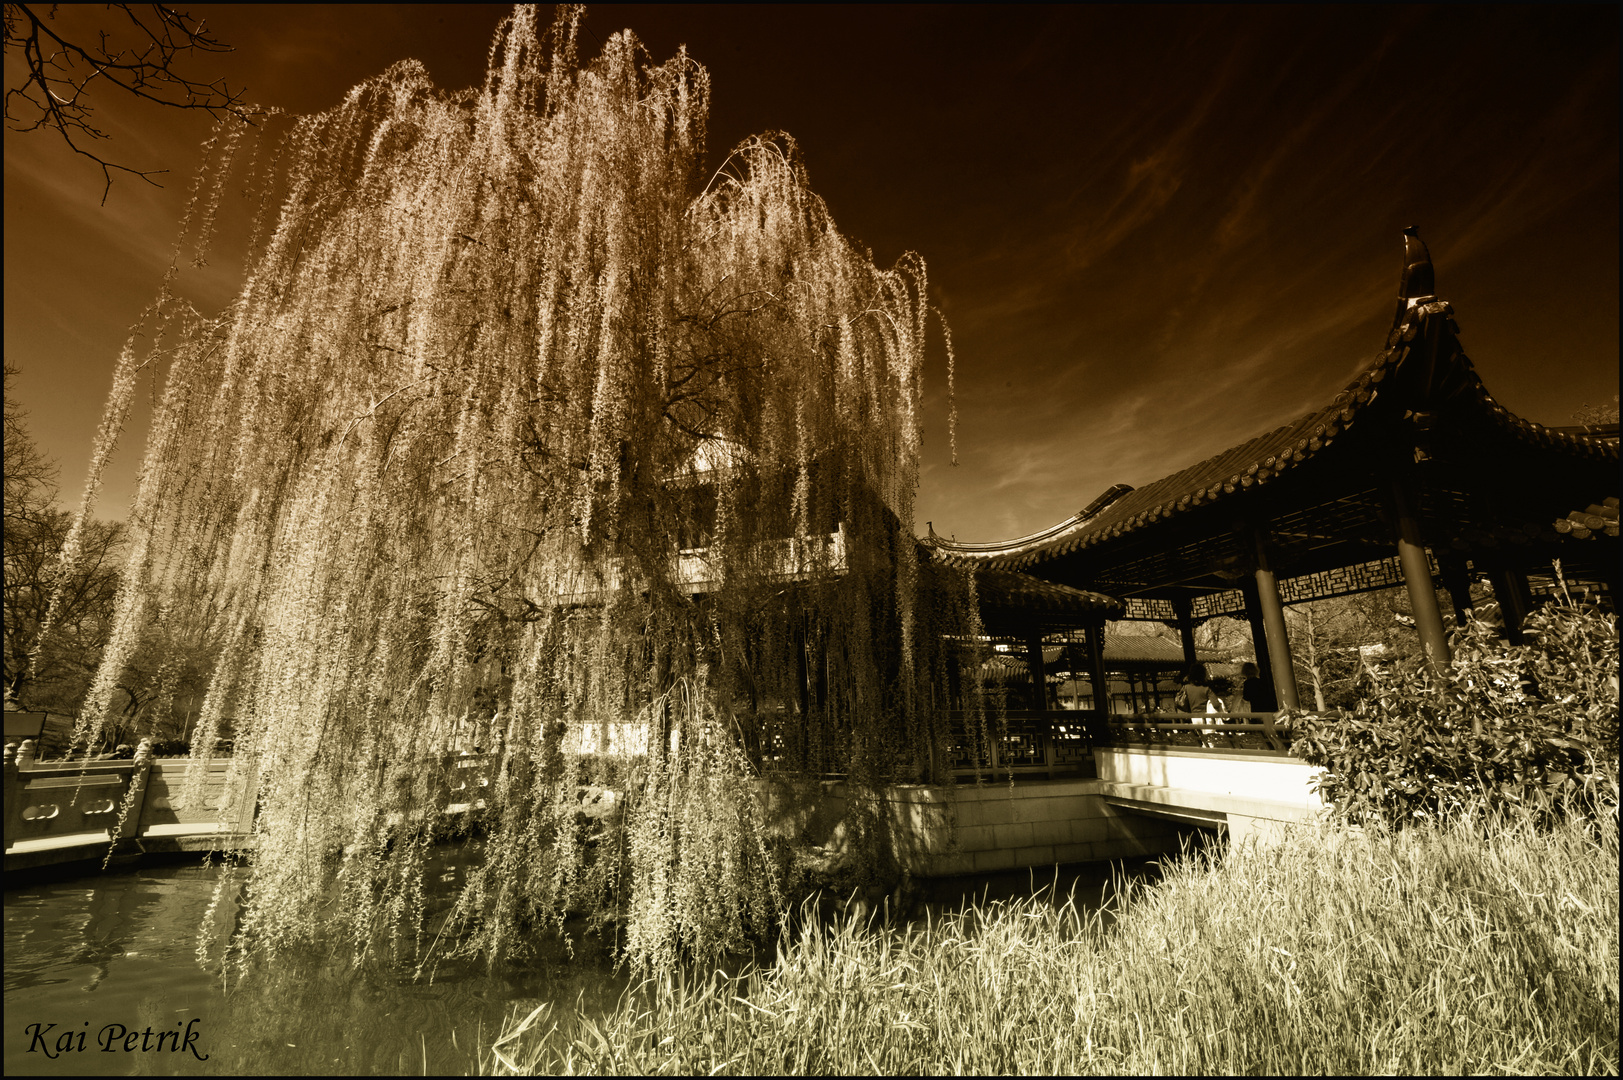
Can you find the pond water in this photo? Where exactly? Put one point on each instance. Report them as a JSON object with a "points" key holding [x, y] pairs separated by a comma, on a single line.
{"points": [[112, 954], [102, 957]]}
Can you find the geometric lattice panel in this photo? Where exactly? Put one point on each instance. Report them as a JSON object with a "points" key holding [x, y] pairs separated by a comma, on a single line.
{"points": [[1150, 609], [1340, 581], [1345, 580], [1220, 603]]}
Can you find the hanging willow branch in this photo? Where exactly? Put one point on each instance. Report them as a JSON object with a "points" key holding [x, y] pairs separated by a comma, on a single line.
{"points": [[517, 433]]}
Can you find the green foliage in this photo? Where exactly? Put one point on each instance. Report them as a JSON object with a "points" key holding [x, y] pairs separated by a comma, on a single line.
{"points": [[1447, 948], [1535, 724]]}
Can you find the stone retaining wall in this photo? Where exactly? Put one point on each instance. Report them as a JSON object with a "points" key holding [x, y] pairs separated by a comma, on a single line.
{"points": [[941, 832]]}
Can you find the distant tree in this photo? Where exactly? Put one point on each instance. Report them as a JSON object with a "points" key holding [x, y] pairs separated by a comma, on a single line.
{"points": [[56, 681], [161, 684], [34, 532], [1327, 637], [1223, 634], [30, 476], [1597, 414], [1334, 641], [59, 74]]}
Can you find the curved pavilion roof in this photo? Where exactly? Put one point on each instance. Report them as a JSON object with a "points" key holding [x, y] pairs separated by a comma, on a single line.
{"points": [[1263, 459], [1015, 603], [1320, 485]]}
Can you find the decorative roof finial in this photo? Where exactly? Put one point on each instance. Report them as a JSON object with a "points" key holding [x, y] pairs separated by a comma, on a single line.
{"points": [[1419, 280]]}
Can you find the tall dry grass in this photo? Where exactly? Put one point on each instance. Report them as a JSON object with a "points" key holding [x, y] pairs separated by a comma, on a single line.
{"points": [[1478, 945]]}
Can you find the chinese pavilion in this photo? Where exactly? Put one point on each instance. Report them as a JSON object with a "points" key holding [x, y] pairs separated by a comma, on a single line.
{"points": [[1411, 475]]}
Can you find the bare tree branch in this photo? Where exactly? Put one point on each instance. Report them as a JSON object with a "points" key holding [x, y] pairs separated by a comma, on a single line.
{"points": [[61, 73]]}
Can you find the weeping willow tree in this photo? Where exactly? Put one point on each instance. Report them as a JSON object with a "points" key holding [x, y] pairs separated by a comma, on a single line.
{"points": [[524, 432]]}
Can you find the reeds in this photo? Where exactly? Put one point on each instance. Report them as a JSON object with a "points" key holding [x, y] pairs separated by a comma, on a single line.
{"points": [[1483, 944]]}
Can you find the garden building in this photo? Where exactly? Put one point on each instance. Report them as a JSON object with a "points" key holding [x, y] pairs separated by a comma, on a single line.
{"points": [[1413, 474]]}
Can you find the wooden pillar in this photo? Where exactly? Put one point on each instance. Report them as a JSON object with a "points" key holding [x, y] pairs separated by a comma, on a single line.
{"points": [[1039, 681], [1186, 629], [1515, 600], [658, 719], [1259, 642], [1428, 617], [1457, 580], [1273, 627], [1039, 696], [803, 673], [1099, 728]]}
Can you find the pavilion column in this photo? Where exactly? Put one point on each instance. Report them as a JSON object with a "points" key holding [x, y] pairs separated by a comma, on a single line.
{"points": [[955, 683], [803, 673], [1039, 682], [1428, 617], [1515, 600], [1457, 580], [1039, 695], [1099, 729], [1259, 639], [1186, 629], [803, 691], [1273, 627]]}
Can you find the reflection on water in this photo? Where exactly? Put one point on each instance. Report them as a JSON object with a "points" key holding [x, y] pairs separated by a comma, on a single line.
{"points": [[109, 962]]}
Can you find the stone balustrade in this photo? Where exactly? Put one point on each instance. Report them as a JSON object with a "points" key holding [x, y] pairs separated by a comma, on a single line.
{"points": [[68, 811]]}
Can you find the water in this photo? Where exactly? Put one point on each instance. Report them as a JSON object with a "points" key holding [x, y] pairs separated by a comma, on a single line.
{"points": [[106, 955], [1090, 886]]}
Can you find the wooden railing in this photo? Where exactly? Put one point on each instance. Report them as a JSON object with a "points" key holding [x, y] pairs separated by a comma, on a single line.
{"points": [[1023, 742], [1056, 742], [1236, 731]]}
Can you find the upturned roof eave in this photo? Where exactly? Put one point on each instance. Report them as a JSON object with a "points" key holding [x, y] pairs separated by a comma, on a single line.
{"points": [[1260, 460]]}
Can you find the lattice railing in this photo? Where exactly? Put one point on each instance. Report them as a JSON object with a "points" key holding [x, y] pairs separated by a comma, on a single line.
{"points": [[1052, 742], [1218, 731]]}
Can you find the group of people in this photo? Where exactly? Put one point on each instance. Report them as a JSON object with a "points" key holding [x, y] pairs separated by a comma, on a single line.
{"points": [[1198, 692]]}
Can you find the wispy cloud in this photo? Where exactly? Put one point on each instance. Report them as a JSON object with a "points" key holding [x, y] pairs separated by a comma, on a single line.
{"points": [[1151, 180], [1534, 183]]}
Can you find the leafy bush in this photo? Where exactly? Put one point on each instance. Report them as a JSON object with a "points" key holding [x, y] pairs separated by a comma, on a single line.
{"points": [[1532, 725]]}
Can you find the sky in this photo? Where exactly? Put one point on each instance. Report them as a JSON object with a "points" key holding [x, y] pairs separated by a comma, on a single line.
{"points": [[1155, 232]]}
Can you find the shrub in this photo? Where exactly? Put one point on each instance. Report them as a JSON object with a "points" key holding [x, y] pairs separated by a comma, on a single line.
{"points": [[1532, 725]]}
